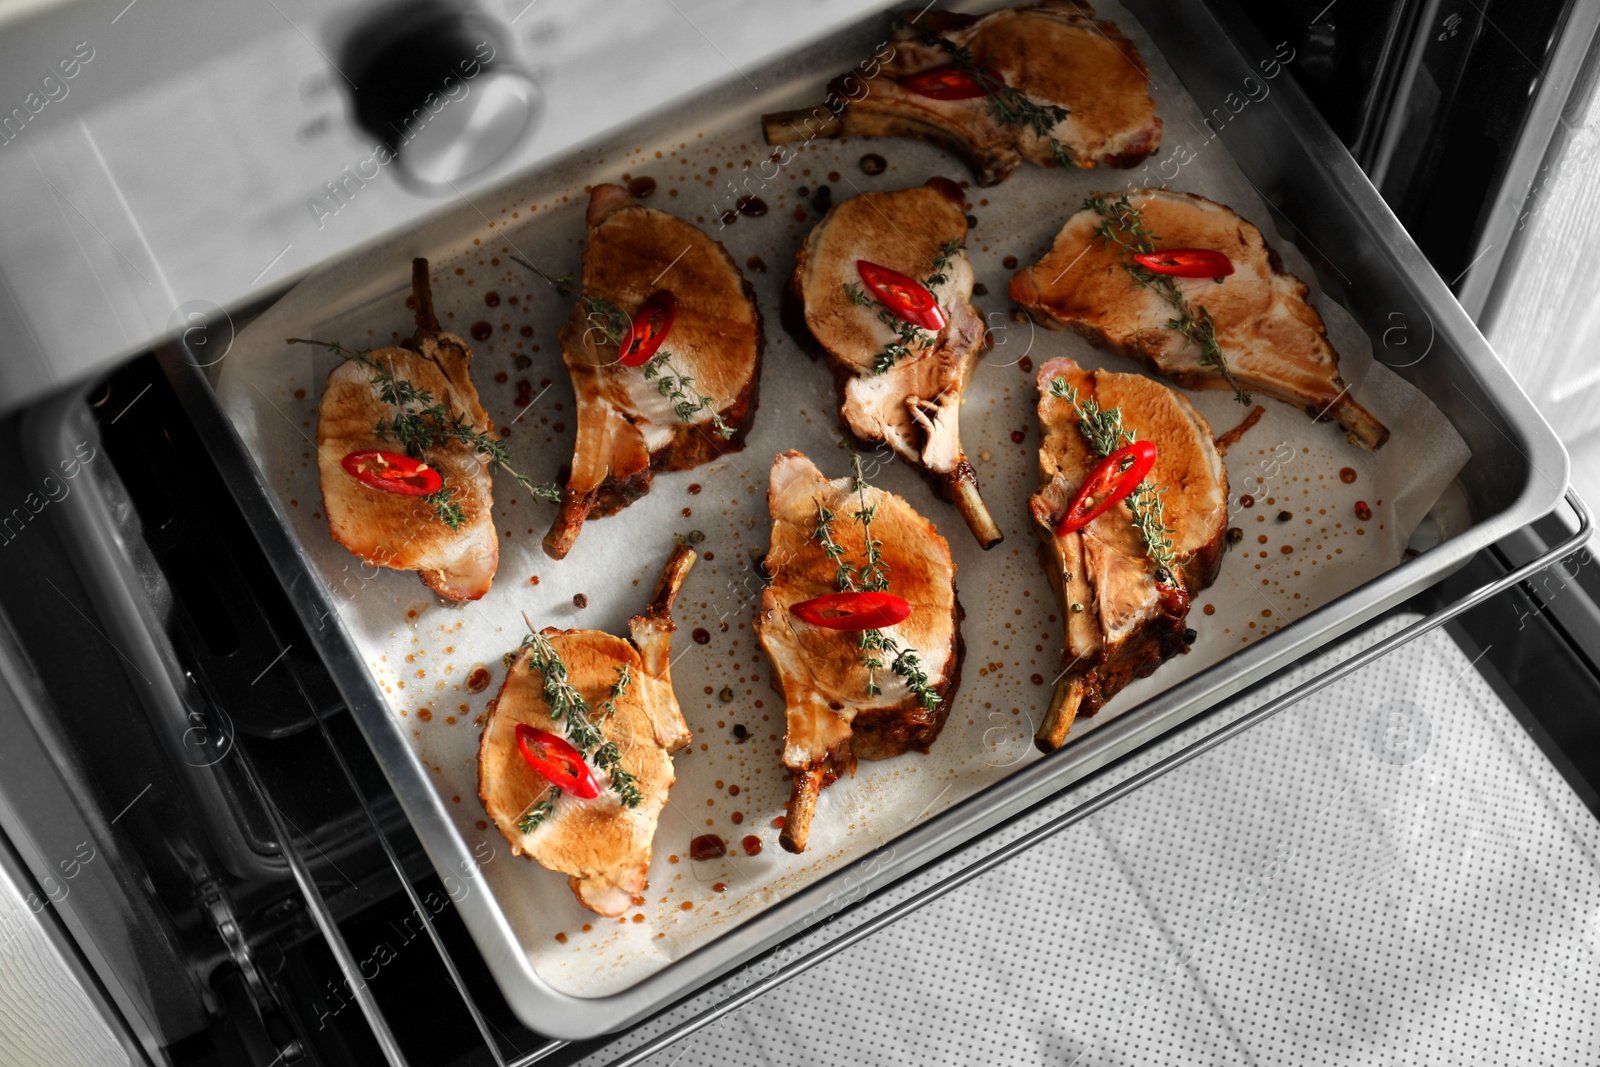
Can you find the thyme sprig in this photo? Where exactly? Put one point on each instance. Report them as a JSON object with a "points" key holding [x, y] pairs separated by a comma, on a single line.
{"points": [[1124, 226], [540, 811], [910, 339], [421, 422], [872, 575], [685, 397], [568, 708], [1102, 428], [1007, 106], [608, 707]]}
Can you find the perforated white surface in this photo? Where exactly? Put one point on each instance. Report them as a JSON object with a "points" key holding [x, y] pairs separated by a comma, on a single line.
{"points": [[1388, 872]]}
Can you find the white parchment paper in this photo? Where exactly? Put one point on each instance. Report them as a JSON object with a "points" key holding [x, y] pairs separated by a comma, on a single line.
{"points": [[421, 652]]}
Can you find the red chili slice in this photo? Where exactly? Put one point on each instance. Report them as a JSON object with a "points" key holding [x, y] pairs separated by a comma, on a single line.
{"points": [[1187, 262], [1111, 478], [853, 611], [558, 762], [902, 294], [648, 329], [391, 472], [948, 82]]}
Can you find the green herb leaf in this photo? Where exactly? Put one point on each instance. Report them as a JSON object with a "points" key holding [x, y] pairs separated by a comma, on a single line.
{"points": [[1124, 226], [568, 707], [1102, 428]]}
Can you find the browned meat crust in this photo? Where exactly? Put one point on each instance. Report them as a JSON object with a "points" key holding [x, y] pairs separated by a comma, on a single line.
{"points": [[404, 532], [626, 430], [1272, 337], [603, 847], [1055, 53], [833, 718], [1120, 624]]}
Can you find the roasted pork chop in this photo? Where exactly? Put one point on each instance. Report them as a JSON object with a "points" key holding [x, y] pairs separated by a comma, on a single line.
{"points": [[688, 403], [1122, 620], [601, 844], [834, 714], [448, 540], [1048, 83], [898, 383], [1271, 338]]}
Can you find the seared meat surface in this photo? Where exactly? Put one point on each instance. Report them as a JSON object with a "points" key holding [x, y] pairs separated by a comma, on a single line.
{"points": [[406, 532], [1121, 623], [914, 404], [1270, 335], [602, 845], [1065, 88], [629, 422], [834, 717]]}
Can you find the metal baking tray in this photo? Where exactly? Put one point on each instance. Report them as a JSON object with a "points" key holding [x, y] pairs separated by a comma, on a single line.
{"points": [[1363, 259]]}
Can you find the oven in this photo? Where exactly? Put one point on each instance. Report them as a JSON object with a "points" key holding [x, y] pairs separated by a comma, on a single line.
{"points": [[210, 858]]}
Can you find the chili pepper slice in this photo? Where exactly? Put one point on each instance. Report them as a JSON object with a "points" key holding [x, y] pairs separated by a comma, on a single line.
{"points": [[391, 472], [1115, 476], [902, 294], [648, 329], [853, 611], [1186, 262], [558, 762], [948, 82]]}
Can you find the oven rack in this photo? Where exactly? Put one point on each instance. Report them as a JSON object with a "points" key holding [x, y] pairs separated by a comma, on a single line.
{"points": [[851, 911]]}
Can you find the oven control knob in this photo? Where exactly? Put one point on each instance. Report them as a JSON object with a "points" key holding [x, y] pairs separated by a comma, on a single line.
{"points": [[437, 86]]}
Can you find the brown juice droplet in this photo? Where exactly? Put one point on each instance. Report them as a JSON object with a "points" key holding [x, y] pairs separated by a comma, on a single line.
{"points": [[687, 905], [1009, 263], [707, 847], [778, 822], [491, 299], [757, 264], [478, 680], [950, 189], [482, 331], [561, 938], [752, 844], [751, 206], [1210, 609], [526, 331], [1247, 501], [872, 163], [642, 186], [737, 817], [694, 489], [1363, 510], [833, 175], [733, 790], [425, 714], [701, 635], [1347, 475]]}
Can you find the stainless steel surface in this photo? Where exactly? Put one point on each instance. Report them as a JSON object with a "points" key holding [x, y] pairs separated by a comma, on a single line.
{"points": [[202, 154], [1519, 473], [1530, 169], [1110, 796]]}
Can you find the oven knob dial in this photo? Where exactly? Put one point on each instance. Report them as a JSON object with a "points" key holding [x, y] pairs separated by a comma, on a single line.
{"points": [[439, 89]]}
